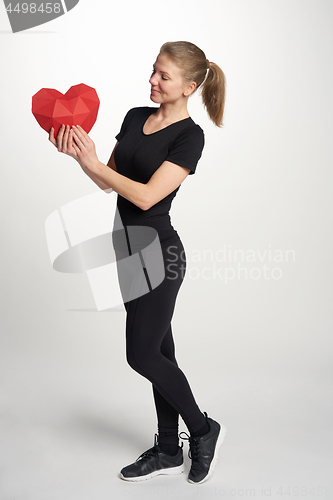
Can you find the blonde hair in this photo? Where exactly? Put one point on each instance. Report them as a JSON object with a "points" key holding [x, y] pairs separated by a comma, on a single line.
{"points": [[193, 65]]}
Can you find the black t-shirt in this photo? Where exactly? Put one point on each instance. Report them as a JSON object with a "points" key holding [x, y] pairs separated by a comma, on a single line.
{"points": [[139, 155]]}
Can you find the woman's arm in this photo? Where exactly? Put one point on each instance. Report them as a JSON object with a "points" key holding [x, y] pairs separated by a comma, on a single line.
{"points": [[163, 182], [111, 164], [96, 180], [77, 143]]}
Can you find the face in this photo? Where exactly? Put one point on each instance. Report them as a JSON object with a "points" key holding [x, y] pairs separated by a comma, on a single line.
{"points": [[167, 84]]}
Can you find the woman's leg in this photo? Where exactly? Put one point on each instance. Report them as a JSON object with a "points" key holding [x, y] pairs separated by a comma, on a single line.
{"points": [[167, 416], [148, 325], [150, 351]]}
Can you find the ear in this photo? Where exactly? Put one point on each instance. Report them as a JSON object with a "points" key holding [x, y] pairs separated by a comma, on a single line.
{"points": [[190, 89]]}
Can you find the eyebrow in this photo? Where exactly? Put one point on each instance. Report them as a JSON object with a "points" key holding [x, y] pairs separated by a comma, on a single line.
{"points": [[164, 72]]}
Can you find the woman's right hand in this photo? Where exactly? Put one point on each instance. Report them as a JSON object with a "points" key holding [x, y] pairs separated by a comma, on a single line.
{"points": [[64, 141]]}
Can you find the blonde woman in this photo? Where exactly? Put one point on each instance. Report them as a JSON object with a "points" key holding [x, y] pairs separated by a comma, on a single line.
{"points": [[157, 148]]}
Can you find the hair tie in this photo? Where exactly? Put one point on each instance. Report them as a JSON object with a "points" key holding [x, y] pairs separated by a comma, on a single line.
{"points": [[208, 63]]}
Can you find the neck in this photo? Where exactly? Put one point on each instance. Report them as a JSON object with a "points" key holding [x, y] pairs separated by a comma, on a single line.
{"points": [[172, 111]]}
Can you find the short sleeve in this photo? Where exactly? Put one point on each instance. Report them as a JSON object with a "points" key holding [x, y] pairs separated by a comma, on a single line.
{"points": [[125, 123], [187, 148]]}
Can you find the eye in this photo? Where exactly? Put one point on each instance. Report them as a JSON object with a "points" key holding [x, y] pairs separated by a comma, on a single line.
{"points": [[163, 77]]}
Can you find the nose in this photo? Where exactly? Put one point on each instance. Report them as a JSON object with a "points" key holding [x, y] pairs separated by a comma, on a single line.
{"points": [[153, 80]]}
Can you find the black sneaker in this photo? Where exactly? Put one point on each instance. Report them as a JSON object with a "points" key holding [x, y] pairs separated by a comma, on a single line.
{"points": [[203, 451], [152, 463]]}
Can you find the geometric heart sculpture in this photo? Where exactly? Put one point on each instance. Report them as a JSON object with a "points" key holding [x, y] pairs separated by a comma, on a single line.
{"points": [[79, 106]]}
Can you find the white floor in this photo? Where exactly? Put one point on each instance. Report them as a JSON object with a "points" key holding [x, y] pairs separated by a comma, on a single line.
{"points": [[72, 418]]}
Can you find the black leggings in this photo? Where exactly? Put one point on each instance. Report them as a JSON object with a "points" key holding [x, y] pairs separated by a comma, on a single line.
{"points": [[150, 348]]}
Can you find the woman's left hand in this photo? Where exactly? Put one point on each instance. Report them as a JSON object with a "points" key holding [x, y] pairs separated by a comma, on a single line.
{"points": [[76, 143]]}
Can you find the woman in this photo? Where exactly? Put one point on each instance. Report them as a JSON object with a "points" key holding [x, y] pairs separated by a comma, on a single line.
{"points": [[156, 149]]}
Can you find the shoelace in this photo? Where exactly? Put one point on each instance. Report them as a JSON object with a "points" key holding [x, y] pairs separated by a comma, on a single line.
{"points": [[146, 455], [152, 451], [194, 451]]}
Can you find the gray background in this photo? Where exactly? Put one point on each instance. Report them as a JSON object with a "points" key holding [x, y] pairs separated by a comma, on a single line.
{"points": [[256, 349]]}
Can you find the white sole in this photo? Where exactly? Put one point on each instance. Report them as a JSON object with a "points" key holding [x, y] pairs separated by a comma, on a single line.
{"points": [[220, 440], [168, 472]]}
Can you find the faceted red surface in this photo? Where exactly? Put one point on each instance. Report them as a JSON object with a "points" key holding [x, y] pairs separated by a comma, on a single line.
{"points": [[79, 106]]}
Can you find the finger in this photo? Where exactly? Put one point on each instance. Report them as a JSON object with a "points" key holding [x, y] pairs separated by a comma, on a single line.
{"points": [[71, 146], [78, 138], [70, 139], [60, 137], [65, 139], [82, 134], [51, 137]]}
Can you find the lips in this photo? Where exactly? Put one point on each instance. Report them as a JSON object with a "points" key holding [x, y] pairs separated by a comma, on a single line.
{"points": [[153, 91]]}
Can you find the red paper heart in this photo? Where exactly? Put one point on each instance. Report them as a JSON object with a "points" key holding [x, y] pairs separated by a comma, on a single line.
{"points": [[79, 106]]}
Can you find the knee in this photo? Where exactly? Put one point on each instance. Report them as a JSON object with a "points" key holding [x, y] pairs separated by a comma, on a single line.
{"points": [[142, 361], [131, 360], [135, 361]]}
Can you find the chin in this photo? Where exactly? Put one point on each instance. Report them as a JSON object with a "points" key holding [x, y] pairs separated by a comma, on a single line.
{"points": [[155, 98]]}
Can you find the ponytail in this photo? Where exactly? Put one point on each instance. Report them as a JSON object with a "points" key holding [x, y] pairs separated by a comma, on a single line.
{"points": [[213, 93]]}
